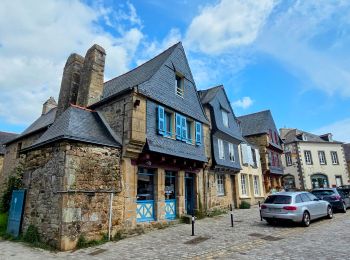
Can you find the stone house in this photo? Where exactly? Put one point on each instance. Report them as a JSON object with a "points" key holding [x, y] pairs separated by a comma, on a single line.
{"points": [[249, 180], [260, 129], [4, 138], [117, 155], [25, 139], [312, 161]]}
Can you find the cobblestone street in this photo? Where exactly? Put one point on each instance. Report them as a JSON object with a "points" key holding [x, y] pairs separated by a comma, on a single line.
{"points": [[215, 239]]}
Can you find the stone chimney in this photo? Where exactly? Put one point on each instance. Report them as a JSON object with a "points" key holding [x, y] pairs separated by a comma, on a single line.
{"points": [[284, 131], [70, 82], [91, 84], [48, 105]]}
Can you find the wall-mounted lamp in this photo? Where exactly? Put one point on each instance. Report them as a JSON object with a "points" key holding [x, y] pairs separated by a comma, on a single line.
{"points": [[136, 103]]}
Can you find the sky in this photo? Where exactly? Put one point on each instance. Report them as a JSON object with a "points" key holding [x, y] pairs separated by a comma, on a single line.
{"points": [[291, 57]]}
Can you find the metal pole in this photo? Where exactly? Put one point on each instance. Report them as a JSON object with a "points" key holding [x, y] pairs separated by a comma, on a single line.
{"points": [[110, 216], [231, 215], [261, 219], [192, 225]]}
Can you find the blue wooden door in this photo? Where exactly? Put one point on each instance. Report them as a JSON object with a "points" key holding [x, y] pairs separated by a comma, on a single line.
{"points": [[189, 193], [16, 212]]}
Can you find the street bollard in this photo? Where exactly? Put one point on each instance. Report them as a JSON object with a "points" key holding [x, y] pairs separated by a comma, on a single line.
{"points": [[193, 225], [231, 215], [261, 219]]}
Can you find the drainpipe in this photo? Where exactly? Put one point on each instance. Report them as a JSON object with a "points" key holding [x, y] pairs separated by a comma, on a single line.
{"points": [[110, 216]]}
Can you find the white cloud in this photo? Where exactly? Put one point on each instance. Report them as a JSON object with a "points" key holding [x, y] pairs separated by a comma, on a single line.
{"points": [[339, 129], [244, 103], [38, 36], [228, 24], [311, 40]]}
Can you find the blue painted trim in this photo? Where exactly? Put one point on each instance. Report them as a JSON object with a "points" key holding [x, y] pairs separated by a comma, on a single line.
{"points": [[167, 214], [138, 211]]}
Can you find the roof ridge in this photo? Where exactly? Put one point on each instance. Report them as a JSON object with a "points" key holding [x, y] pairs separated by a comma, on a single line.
{"points": [[267, 110], [144, 62]]}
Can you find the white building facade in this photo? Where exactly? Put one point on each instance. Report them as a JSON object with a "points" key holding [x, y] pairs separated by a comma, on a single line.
{"points": [[311, 161]]}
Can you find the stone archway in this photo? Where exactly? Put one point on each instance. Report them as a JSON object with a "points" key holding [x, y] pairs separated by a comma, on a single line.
{"points": [[288, 181], [319, 180]]}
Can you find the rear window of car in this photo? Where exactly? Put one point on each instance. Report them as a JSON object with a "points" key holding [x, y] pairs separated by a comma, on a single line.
{"points": [[278, 199], [323, 192]]}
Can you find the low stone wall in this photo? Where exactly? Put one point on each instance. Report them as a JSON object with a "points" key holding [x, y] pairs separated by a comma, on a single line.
{"points": [[69, 190]]}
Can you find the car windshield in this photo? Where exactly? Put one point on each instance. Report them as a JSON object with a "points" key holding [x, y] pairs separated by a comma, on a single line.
{"points": [[278, 199], [323, 192]]}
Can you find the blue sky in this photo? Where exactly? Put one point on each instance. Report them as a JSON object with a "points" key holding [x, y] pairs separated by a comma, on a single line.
{"points": [[288, 56]]}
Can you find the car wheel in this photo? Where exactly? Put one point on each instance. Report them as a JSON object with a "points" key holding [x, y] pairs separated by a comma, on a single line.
{"points": [[306, 219], [344, 208], [329, 212]]}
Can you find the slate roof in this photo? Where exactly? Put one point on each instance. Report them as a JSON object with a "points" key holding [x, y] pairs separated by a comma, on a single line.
{"points": [[256, 123], [142, 77], [79, 124], [295, 135], [209, 94], [40, 124], [138, 75], [5, 137], [346, 148]]}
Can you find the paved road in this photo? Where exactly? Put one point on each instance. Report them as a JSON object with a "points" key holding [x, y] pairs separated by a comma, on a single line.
{"points": [[215, 239]]}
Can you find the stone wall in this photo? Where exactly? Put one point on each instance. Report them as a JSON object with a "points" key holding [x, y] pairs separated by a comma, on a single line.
{"points": [[1, 164], [12, 158], [69, 190], [215, 201]]}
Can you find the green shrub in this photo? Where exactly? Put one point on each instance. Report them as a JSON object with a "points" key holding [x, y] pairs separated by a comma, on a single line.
{"points": [[244, 205], [32, 235], [3, 223], [83, 242], [216, 212]]}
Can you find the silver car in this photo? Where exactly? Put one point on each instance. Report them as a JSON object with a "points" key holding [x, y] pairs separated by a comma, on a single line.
{"points": [[295, 206]]}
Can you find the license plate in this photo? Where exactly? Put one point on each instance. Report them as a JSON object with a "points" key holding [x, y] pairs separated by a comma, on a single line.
{"points": [[275, 210]]}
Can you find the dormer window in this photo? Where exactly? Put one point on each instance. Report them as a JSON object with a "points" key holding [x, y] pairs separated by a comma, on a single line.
{"points": [[304, 138], [179, 82], [224, 118]]}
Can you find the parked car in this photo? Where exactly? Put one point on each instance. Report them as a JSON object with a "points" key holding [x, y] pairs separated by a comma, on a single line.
{"points": [[335, 196], [295, 206]]}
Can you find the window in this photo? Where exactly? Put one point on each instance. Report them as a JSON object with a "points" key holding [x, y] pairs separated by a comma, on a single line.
{"points": [[220, 184], [288, 159], [338, 180], [298, 199], [168, 124], [334, 157], [170, 178], [255, 164], [198, 133], [231, 152], [308, 158], [278, 199], [224, 117], [304, 197], [244, 184], [322, 157], [179, 85], [221, 149], [145, 184], [189, 131], [256, 185]]}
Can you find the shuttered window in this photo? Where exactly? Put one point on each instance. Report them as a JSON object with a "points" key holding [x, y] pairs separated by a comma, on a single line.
{"points": [[198, 133], [178, 126], [161, 120]]}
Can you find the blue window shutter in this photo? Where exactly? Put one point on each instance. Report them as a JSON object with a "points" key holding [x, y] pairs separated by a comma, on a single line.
{"points": [[184, 128], [161, 120], [198, 133], [178, 126]]}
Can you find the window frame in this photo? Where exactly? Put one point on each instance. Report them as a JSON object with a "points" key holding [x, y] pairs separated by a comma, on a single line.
{"points": [[220, 184], [221, 149], [180, 92], [336, 161], [244, 185], [306, 161], [289, 161], [224, 118], [231, 152], [324, 162], [256, 182]]}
